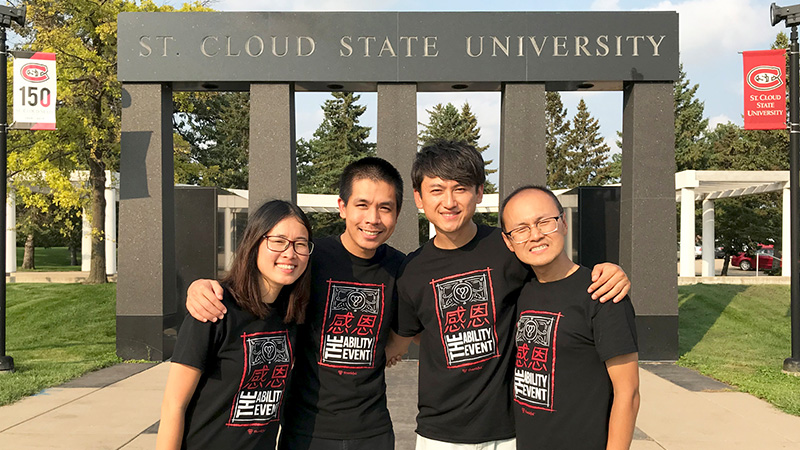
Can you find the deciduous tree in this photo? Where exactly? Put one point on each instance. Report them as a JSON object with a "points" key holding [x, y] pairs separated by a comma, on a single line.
{"points": [[83, 34], [214, 130]]}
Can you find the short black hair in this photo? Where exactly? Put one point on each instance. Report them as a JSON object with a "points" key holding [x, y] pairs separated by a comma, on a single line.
{"points": [[372, 168], [529, 187], [449, 160]]}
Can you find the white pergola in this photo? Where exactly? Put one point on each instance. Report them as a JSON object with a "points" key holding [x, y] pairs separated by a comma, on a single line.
{"points": [[691, 186], [311, 203], [706, 186]]}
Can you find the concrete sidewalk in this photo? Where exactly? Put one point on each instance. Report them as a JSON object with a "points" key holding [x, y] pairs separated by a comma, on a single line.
{"points": [[118, 408]]}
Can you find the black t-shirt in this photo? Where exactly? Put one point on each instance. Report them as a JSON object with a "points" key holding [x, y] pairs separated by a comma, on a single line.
{"points": [[465, 301], [338, 389], [245, 363], [562, 392]]}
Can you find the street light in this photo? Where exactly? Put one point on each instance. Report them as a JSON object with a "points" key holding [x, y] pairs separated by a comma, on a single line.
{"points": [[8, 14], [791, 16]]}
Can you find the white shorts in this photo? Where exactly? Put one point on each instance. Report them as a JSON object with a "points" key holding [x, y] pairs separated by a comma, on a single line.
{"points": [[424, 443]]}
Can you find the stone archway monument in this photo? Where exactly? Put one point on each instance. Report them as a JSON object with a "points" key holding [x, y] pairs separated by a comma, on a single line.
{"points": [[272, 55]]}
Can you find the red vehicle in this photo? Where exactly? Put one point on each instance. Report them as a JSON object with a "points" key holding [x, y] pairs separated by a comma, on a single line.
{"points": [[766, 259]]}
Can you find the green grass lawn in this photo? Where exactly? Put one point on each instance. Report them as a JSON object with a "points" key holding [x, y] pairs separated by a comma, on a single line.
{"points": [[53, 259], [740, 335], [57, 332]]}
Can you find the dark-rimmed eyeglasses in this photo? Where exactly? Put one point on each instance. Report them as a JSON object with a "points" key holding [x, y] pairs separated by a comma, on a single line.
{"points": [[280, 244], [522, 233]]}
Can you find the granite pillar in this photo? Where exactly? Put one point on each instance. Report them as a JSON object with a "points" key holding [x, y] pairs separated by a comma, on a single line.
{"points": [[397, 143], [146, 285], [273, 161], [523, 156], [647, 215]]}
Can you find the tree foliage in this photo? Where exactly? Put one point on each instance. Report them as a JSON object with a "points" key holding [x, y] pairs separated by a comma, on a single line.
{"points": [[214, 139], [557, 127], [83, 34], [690, 125], [744, 222], [446, 122], [585, 151], [338, 141]]}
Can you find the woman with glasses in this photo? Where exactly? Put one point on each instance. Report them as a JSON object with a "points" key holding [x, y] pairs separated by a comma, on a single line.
{"points": [[228, 378]]}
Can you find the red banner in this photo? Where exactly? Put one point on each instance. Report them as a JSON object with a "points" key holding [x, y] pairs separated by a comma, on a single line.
{"points": [[765, 90]]}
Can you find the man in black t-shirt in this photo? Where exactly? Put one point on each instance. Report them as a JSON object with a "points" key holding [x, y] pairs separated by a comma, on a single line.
{"points": [[576, 379], [337, 397], [459, 291]]}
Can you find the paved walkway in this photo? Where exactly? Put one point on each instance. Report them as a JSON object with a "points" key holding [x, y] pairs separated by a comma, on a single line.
{"points": [[67, 276], [118, 408]]}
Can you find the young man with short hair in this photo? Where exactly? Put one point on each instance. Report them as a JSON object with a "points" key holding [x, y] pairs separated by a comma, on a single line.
{"points": [[576, 375], [337, 398], [459, 291]]}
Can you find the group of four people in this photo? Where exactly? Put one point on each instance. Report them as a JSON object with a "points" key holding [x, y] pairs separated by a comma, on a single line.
{"points": [[505, 336]]}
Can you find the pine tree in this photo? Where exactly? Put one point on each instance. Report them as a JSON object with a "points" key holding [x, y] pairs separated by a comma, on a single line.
{"points": [[690, 125], [444, 123], [338, 141], [448, 123], [556, 129], [586, 151]]}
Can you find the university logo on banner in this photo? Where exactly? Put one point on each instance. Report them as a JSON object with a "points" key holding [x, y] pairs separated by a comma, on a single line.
{"points": [[765, 90], [34, 91]]}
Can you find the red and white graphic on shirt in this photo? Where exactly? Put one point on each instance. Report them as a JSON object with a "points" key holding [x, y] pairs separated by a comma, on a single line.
{"points": [[353, 317], [267, 360], [466, 312], [535, 365]]}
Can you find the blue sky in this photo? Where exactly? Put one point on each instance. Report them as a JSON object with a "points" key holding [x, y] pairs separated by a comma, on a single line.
{"points": [[712, 34]]}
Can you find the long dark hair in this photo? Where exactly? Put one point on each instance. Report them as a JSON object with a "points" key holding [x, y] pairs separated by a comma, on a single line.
{"points": [[243, 278]]}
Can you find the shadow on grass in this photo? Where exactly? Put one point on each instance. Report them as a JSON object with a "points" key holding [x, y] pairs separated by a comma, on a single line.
{"points": [[699, 307]]}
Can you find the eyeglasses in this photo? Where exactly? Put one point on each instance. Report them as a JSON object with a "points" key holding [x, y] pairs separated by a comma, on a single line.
{"points": [[522, 233], [280, 244]]}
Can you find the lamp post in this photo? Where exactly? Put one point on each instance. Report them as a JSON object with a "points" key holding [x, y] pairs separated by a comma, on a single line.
{"points": [[7, 15], [791, 16]]}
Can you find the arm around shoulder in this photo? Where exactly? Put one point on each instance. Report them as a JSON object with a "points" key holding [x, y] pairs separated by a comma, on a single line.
{"points": [[609, 282], [624, 373], [204, 300]]}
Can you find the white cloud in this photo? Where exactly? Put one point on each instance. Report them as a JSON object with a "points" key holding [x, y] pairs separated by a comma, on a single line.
{"points": [[714, 29], [299, 5], [605, 5], [717, 120]]}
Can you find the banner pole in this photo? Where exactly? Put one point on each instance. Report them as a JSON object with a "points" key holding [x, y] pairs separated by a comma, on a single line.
{"points": [[6, 362], [792, 365]]}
